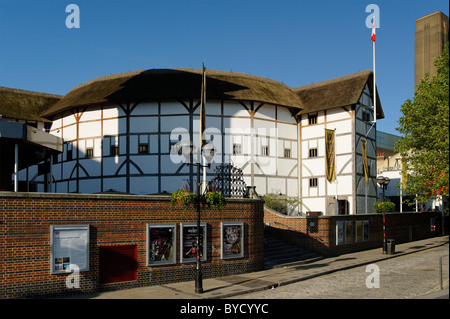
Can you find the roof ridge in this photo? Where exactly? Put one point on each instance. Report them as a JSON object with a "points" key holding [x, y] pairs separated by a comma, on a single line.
{"points": [[192, 70], [333, 80], [21, 91]]}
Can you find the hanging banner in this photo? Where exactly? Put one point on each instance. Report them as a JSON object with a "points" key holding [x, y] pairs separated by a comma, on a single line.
{"points": [[364, 154], [69, 246], [161, 244], [232, 240], [330, 155]]}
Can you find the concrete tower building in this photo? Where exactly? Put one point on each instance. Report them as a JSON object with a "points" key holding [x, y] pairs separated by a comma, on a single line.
{"points": [[429, 39]]}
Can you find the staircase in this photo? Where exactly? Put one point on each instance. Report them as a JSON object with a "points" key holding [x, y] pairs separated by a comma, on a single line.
{"points": [[279, 253]]}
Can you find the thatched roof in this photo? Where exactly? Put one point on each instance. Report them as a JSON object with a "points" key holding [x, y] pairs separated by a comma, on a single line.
{"points": [[177, 84], [25, 105], [342, 91]]}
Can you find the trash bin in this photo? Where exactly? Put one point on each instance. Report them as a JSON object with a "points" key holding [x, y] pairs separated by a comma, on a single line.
{"points": [[390, 246]]}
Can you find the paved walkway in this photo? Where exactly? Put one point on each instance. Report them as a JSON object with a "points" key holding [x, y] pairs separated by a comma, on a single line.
{"points": [[224, 287]]}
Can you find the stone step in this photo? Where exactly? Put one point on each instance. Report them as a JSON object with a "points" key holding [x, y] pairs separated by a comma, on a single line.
{"points": [[279, 253]]}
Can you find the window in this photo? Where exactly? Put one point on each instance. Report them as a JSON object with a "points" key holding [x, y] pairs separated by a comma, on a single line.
{"points": [[366, 116], [312, 119], [313, 152], [69, 155], [342, 207], [89, 153], [313, 182], [143, 148], [287, 153], [237, 149], [69, 152], [265, 151], [114, 150]]}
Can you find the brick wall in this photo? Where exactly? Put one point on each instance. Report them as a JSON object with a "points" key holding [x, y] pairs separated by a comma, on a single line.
{"points": [[114, 220], [319, 233]]}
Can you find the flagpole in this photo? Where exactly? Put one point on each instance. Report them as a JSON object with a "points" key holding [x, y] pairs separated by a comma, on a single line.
{"points": [[203, 128], [374, 86]]}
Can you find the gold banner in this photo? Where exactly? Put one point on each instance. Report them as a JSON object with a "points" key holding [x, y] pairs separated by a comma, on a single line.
{"points": [[364, 154], [330, 155]]}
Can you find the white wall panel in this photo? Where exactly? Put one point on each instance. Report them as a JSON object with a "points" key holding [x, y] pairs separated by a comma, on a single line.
{"points": [[145, 108], [144, 124], [267, 111], [89, 129]]}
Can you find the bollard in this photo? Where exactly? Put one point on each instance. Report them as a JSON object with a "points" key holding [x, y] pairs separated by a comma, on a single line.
{"points": [[440, 272]]}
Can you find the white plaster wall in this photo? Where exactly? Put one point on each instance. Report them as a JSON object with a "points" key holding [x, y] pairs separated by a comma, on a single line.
{"points": [[278, 134], [143, 124], [144, 185], [145, 108], [338, 114], [266, 111], [313, 205]]}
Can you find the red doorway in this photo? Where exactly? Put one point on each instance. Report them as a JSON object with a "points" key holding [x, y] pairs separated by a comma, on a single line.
{"points": [[118, 263]]}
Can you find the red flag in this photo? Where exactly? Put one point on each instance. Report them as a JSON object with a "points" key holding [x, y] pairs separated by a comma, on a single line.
{"points": [[373, 30]]}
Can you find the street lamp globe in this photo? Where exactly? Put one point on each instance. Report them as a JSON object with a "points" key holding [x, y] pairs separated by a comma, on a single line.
{"points": [[380, 180]]}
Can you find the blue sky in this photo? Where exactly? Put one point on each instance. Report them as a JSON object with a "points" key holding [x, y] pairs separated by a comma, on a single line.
{"points": [[294, 42]]}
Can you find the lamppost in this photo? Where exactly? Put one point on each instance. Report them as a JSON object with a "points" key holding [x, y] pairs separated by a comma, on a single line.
{"points": [[208, 151], [383, 182]]}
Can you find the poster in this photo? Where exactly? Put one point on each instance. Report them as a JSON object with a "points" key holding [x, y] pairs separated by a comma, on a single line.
{"points": [[359, 230], [348, 231], [232, 240], [161, 244], [69, 246], [365, 230], [189, 242], [340, 228]]}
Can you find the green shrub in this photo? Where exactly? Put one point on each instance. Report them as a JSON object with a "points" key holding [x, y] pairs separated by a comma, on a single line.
{"points": [[384, 207], [280, 203]]}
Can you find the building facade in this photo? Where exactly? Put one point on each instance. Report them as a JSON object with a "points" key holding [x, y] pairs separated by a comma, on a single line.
{"points": [[127, 133], [429, 39]]}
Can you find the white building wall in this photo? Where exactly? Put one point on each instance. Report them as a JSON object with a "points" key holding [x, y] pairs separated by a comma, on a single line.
{"points": [[366, 194], [91, 134], [318, 195]]}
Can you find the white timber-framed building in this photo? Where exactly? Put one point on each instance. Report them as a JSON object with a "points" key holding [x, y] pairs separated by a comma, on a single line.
{"points": [[121, 133]]}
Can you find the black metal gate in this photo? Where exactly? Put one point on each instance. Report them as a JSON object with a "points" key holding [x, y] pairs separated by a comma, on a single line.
{"points": [[229, 181]]}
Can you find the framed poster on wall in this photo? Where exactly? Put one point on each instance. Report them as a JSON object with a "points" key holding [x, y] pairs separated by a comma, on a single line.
{"points": [[366, 230], [69, 246], [348, 231], [340, 229], [232, 240], [189, 242], [359, 230], [161, 244]]}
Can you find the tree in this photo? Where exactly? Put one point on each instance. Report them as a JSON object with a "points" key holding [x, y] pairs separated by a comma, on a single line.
{"points": [[424, 145]]}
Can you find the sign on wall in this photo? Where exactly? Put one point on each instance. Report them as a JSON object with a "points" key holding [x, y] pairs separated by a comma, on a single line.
{"points": [[232, 239], [340, 228], [189, 242], [69, 246], [345, 231], [161, 244]]}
